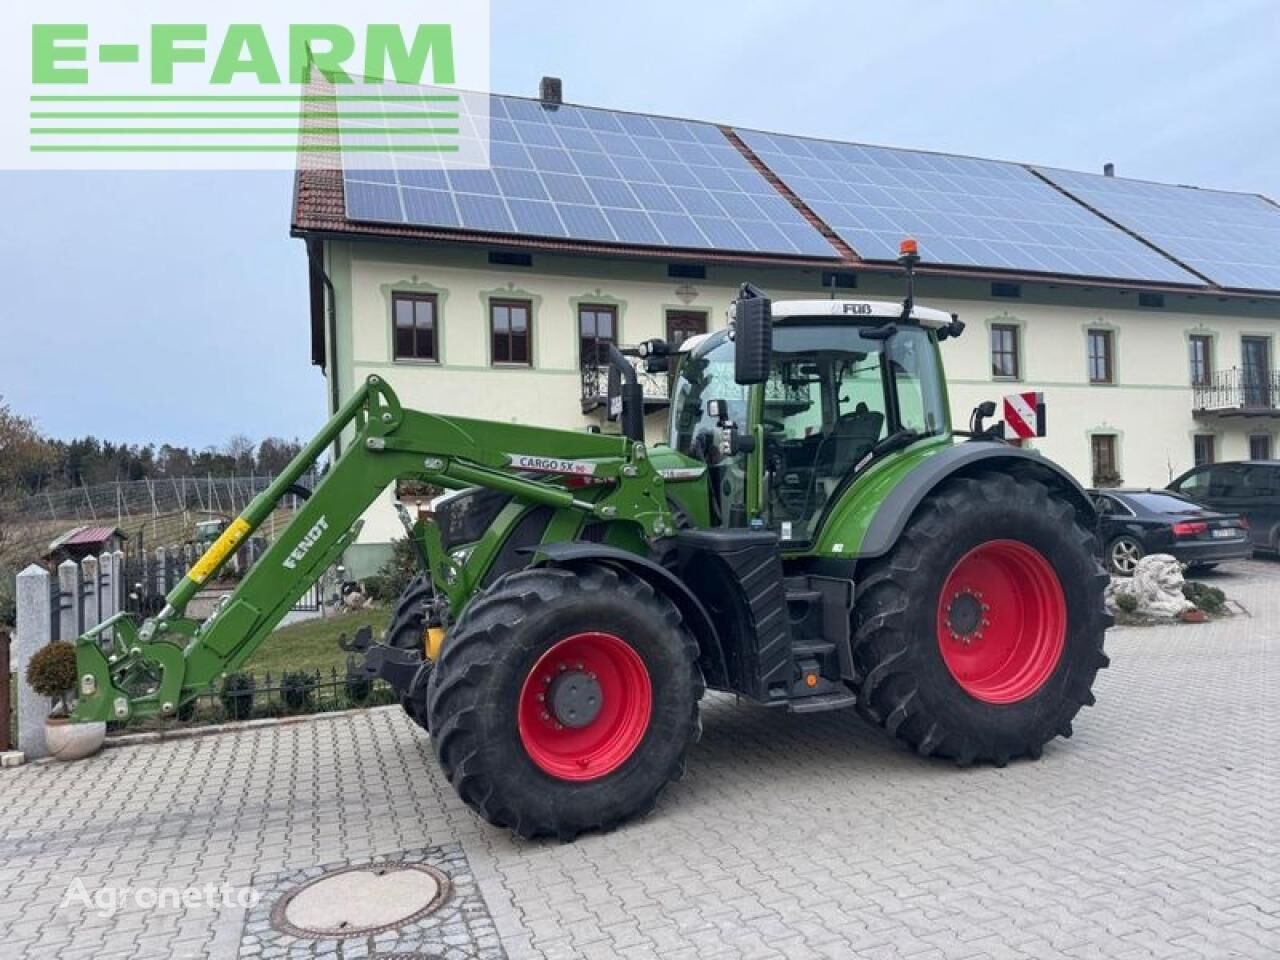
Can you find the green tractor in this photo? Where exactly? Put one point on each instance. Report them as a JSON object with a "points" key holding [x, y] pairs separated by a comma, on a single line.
{"points": [[813, 535]]}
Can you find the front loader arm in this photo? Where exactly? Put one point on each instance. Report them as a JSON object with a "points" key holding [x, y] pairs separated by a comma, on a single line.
{"points": [[130, 671]]}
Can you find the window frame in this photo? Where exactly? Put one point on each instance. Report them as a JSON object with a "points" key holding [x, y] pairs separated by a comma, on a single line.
{"points": [[1266, 438], [595, 308], [1108, 338], [680, 316], [1211, 441], [508, 303], [1205, 340], [1110, 441], [1015, 333], [415, 297]]}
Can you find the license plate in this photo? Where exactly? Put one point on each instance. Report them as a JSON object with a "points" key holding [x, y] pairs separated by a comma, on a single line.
{"points": [[1225, 533]]}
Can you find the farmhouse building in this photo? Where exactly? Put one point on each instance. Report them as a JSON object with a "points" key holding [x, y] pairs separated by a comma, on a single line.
{"points": [[1146, 313]]}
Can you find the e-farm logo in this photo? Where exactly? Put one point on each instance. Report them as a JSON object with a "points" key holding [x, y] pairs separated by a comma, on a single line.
{"points": [[382, 84]]}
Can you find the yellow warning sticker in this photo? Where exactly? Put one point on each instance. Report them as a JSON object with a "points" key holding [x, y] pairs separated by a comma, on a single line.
{"points": [[220, 549]]}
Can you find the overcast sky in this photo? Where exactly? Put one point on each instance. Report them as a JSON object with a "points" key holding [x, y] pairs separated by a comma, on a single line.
{"points": [[173, 307]]}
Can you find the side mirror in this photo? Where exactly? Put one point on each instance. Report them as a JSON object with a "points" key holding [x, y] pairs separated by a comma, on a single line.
{"points": [[753, 336]]}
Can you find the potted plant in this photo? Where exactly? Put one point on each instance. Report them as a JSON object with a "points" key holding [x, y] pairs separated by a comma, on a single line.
{"points": [[52, 673]]}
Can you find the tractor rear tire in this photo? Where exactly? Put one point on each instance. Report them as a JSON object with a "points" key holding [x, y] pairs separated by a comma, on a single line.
{"points": [[978, 636], [565, 701]]}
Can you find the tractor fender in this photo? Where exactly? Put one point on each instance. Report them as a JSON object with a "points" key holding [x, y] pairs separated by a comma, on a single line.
{"points": [[696, 617], [965, 458]]}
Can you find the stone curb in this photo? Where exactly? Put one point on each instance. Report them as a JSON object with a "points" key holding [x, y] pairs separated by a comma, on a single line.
{"points": [[189, 733], [159, 736]]}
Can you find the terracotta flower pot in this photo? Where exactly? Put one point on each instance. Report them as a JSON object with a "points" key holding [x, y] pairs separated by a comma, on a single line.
{"points": [[73, 741]]}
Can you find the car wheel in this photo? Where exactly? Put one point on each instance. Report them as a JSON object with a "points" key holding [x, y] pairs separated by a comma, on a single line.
{"points": [[1123, 555]]}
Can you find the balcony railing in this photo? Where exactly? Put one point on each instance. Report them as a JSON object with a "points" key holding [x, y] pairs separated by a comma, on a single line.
{"points": [[1238, 393], [595, 387]]}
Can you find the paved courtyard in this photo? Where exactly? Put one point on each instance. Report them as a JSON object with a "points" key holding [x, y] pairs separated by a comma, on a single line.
{"points": [[1154, 832]]}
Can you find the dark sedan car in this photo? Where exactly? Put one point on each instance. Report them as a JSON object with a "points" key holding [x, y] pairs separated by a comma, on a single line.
{"points": [[1250, 488], [1133, 523]]}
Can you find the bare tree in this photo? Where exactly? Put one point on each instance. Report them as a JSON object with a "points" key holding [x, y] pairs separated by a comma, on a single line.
{"points": [[240, 449]]}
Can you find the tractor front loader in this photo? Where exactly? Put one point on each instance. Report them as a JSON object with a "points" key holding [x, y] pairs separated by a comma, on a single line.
{"points": [[812, 535]]}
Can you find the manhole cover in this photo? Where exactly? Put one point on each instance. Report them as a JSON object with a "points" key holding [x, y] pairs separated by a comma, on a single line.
{"points": [[362, 900]]}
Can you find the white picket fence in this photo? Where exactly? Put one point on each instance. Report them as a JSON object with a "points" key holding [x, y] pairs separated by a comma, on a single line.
{"points": [[59, 607]]}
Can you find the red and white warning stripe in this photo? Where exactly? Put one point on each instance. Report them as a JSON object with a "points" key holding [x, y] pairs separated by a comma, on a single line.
{"points": [[1024, 415]]}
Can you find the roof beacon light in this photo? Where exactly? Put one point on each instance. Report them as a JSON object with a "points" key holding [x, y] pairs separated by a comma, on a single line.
{"points": [[909, 256]]}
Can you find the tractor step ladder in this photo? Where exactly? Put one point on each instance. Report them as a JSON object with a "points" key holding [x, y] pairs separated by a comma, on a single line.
{"points": [[837, 700]]}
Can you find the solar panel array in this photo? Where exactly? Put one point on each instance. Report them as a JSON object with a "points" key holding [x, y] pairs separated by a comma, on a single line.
{"points": [[594, 175], [963, 211], [1232, 238]]}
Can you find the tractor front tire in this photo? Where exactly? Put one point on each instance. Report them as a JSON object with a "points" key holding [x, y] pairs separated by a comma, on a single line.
{"points": [[564, 701], [407, 631], [407, 628], [978, 636]]}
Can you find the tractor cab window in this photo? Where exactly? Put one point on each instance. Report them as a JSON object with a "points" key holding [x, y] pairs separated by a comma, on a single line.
{"points": [[707, 374], [833, 396]]}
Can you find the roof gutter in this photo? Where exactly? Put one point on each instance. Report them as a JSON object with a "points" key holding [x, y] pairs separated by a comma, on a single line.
{"points": [[315, 257]]}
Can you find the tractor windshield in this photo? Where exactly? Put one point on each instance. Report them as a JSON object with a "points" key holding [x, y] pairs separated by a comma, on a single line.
{"points": [[833, 395]]}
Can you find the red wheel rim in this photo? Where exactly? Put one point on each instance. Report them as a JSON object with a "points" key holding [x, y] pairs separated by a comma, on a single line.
{"points": [[1002, 621], [592, 663]]}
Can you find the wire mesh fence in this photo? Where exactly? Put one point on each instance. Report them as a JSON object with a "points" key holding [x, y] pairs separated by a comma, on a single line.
{"points": [[166, 512]]}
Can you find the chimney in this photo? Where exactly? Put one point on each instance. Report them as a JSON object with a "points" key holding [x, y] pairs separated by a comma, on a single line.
{"points": [[1108, 169], [551, 92]]}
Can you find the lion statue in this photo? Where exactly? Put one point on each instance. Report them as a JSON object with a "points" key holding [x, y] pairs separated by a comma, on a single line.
{"points": [[1156, 585]]}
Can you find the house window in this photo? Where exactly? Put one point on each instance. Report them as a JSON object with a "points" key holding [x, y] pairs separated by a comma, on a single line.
{"points": [[415, 332], [1260, 446], [1106, 471], [1101, 368], [1201, 347], [597, 327], [503, 258], [510, 330], [683, 324], [1005, 362], [686, 271], [1006, 290], [1203, 449]]}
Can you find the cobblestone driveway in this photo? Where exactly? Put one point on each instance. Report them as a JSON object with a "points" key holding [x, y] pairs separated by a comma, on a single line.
{"points": [[1154, 832]]}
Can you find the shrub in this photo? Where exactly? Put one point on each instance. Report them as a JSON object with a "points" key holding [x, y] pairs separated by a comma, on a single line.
{"points": [[297, 690], [357, 687], [237, 695], [1205, 597], [52, 673], [394, 575], [8, 600], [1126, 603], [379, 588]]}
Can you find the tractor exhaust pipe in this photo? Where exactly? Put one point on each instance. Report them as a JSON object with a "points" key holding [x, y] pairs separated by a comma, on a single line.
{"points": [[631, 394]]}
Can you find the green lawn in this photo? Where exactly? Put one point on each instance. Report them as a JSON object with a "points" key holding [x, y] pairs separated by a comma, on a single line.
{"points": [[313, 645]]}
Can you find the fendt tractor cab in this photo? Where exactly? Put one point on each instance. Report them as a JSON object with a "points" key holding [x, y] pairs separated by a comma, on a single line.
{"points": [[812, 535]]}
